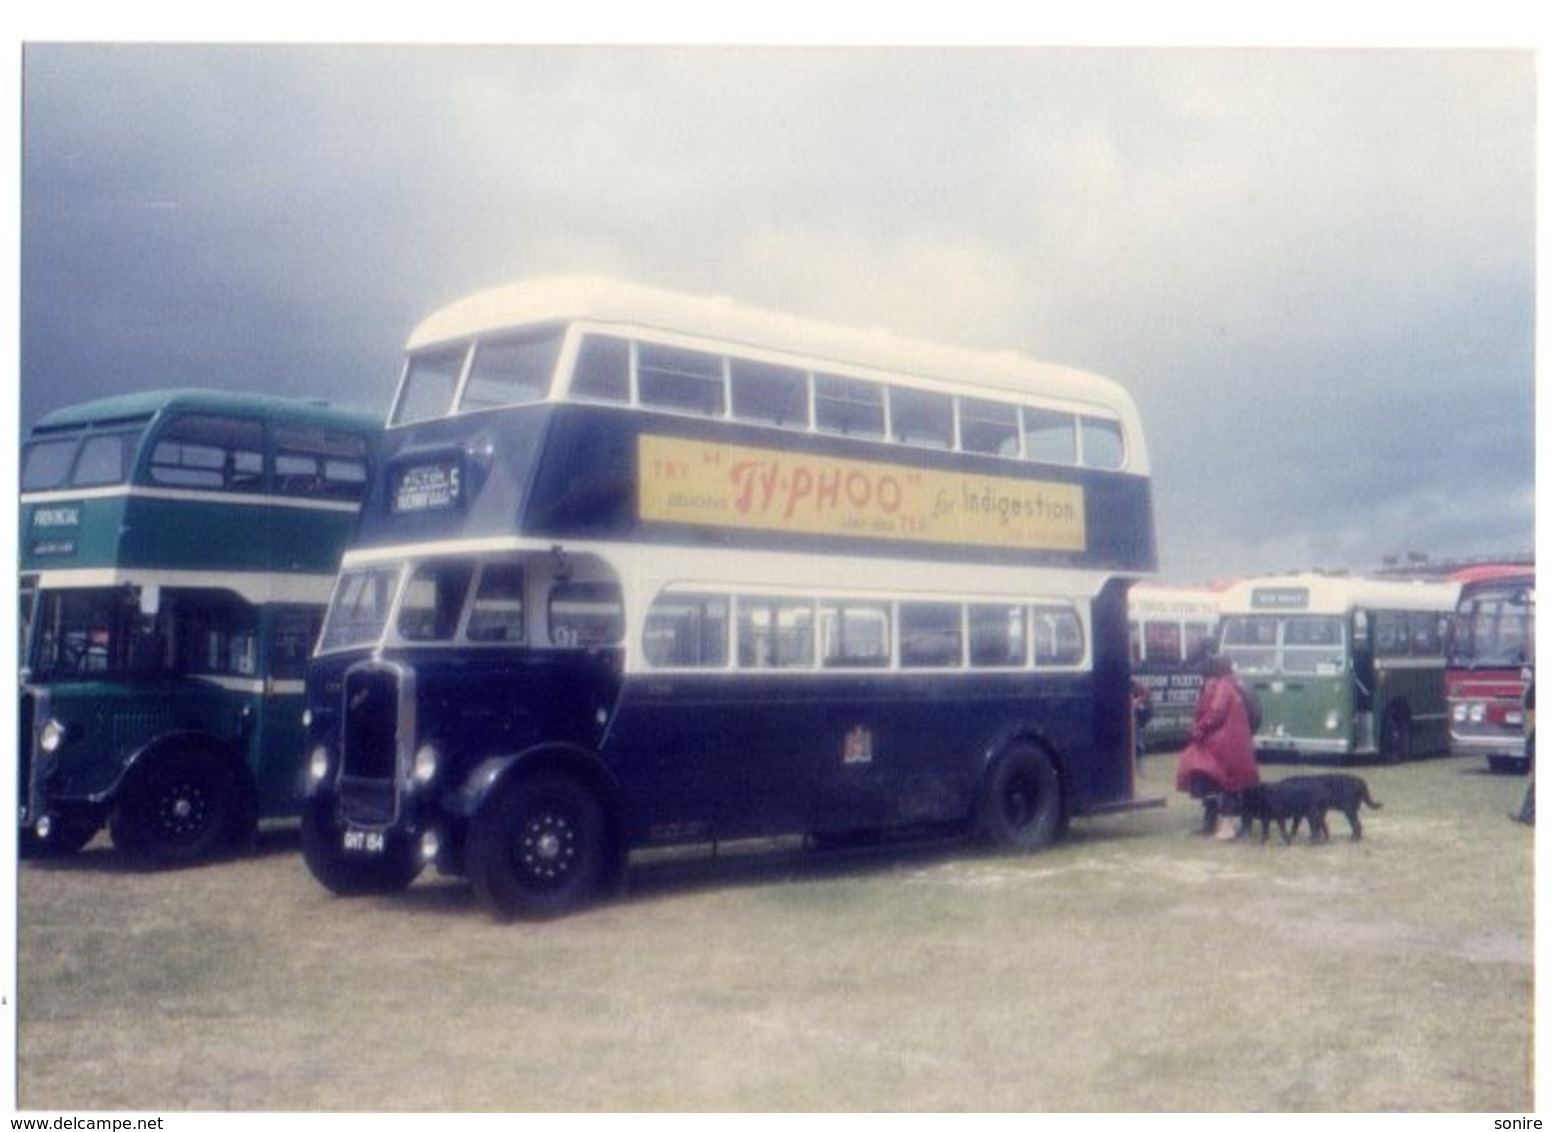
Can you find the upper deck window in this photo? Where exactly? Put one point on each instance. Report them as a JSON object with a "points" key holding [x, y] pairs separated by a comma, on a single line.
{"points": [[510, 371], [1050, 437], [429, 385], [684, 380], [214, 452], [769, 394], [1103, 446], [848, 406], [921, 418], [602, 370], [991, 427]]}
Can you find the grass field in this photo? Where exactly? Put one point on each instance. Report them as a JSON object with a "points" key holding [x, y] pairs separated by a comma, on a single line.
{"points": [[1135, 967]]}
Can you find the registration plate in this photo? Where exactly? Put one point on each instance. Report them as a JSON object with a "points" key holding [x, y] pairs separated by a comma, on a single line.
{"points": [[365, 841]]}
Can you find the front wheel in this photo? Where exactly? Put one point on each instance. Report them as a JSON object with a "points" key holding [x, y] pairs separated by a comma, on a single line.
{"points": [[1020, 806], [539, 848], [179, 809], [354, 874]]}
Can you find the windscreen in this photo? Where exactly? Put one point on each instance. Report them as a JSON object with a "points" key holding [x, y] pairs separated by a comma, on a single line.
{"points": [[358, 615], [1493, 628]]}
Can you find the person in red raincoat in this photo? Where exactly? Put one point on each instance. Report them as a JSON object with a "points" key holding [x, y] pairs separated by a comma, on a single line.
{"points": [[1220, 758]]}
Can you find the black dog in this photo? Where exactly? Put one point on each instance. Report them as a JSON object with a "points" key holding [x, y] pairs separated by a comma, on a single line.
{"points": [[1345, 792], [1278, 802]]}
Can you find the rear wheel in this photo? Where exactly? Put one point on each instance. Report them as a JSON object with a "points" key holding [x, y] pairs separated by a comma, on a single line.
{"points": [[539, 848], [180, 808], [353, 874], [1020, 806]]}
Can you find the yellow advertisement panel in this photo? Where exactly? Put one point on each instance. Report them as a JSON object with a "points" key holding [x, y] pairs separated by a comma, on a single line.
{"points": [[726, 485]]}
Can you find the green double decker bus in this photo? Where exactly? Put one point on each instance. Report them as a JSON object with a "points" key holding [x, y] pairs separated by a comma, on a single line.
{"points": [[177, 549], [1344, 666]]}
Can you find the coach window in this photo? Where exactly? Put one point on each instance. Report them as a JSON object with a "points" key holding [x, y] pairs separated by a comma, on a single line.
{"points": [[1392, 633], [854, 634], [602, 370], [291, 638], [769, 394], [683, 380], [433, 600], [921, 418], [687, 630], [104, 459], [320, 462], [990, 427], [1162, 642], [1058, 637], [848, 406], [497, 614], [219, 453], [586, 614], [510, 371], [429, 385], [1195, 633], [1318, 644], [930, 635], [1050, 437], [1103, 446], [47, 464], [997, 636], [775, 633]]}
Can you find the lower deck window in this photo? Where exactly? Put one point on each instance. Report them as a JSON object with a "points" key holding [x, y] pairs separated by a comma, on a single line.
{"points": [[998, 636], [930, 635], [687, 631], [701, 630], [586, 614], [775, 633], [854, 634]]}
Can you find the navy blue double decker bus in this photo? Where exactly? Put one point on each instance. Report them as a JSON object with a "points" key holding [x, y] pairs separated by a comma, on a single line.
{"points": [[641, 569]]}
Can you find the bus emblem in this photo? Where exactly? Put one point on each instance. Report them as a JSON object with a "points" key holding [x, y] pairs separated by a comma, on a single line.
{"points": [[858, 747]]}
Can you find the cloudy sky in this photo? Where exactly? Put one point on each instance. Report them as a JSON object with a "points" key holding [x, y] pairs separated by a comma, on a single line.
{"points": [[1313, 268]]}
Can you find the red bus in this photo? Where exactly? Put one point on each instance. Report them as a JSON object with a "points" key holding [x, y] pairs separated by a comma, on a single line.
{"points": [[1490, 658]]}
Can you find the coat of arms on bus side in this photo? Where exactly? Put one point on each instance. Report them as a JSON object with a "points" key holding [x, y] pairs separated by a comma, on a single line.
{"points": [[858, 747]]}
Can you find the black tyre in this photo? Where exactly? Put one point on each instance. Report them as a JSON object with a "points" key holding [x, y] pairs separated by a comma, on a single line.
{"points": [[180, 808], [354, 874], [539, 848], [69, 832], [1020, 806]]}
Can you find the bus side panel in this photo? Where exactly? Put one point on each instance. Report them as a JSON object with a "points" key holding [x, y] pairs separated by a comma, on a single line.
{"points": [[1415, 689], [705, 758], [720, 757]]}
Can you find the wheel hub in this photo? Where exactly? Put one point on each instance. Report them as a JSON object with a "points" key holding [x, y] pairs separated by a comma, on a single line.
{"points": [[548, 846]]}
